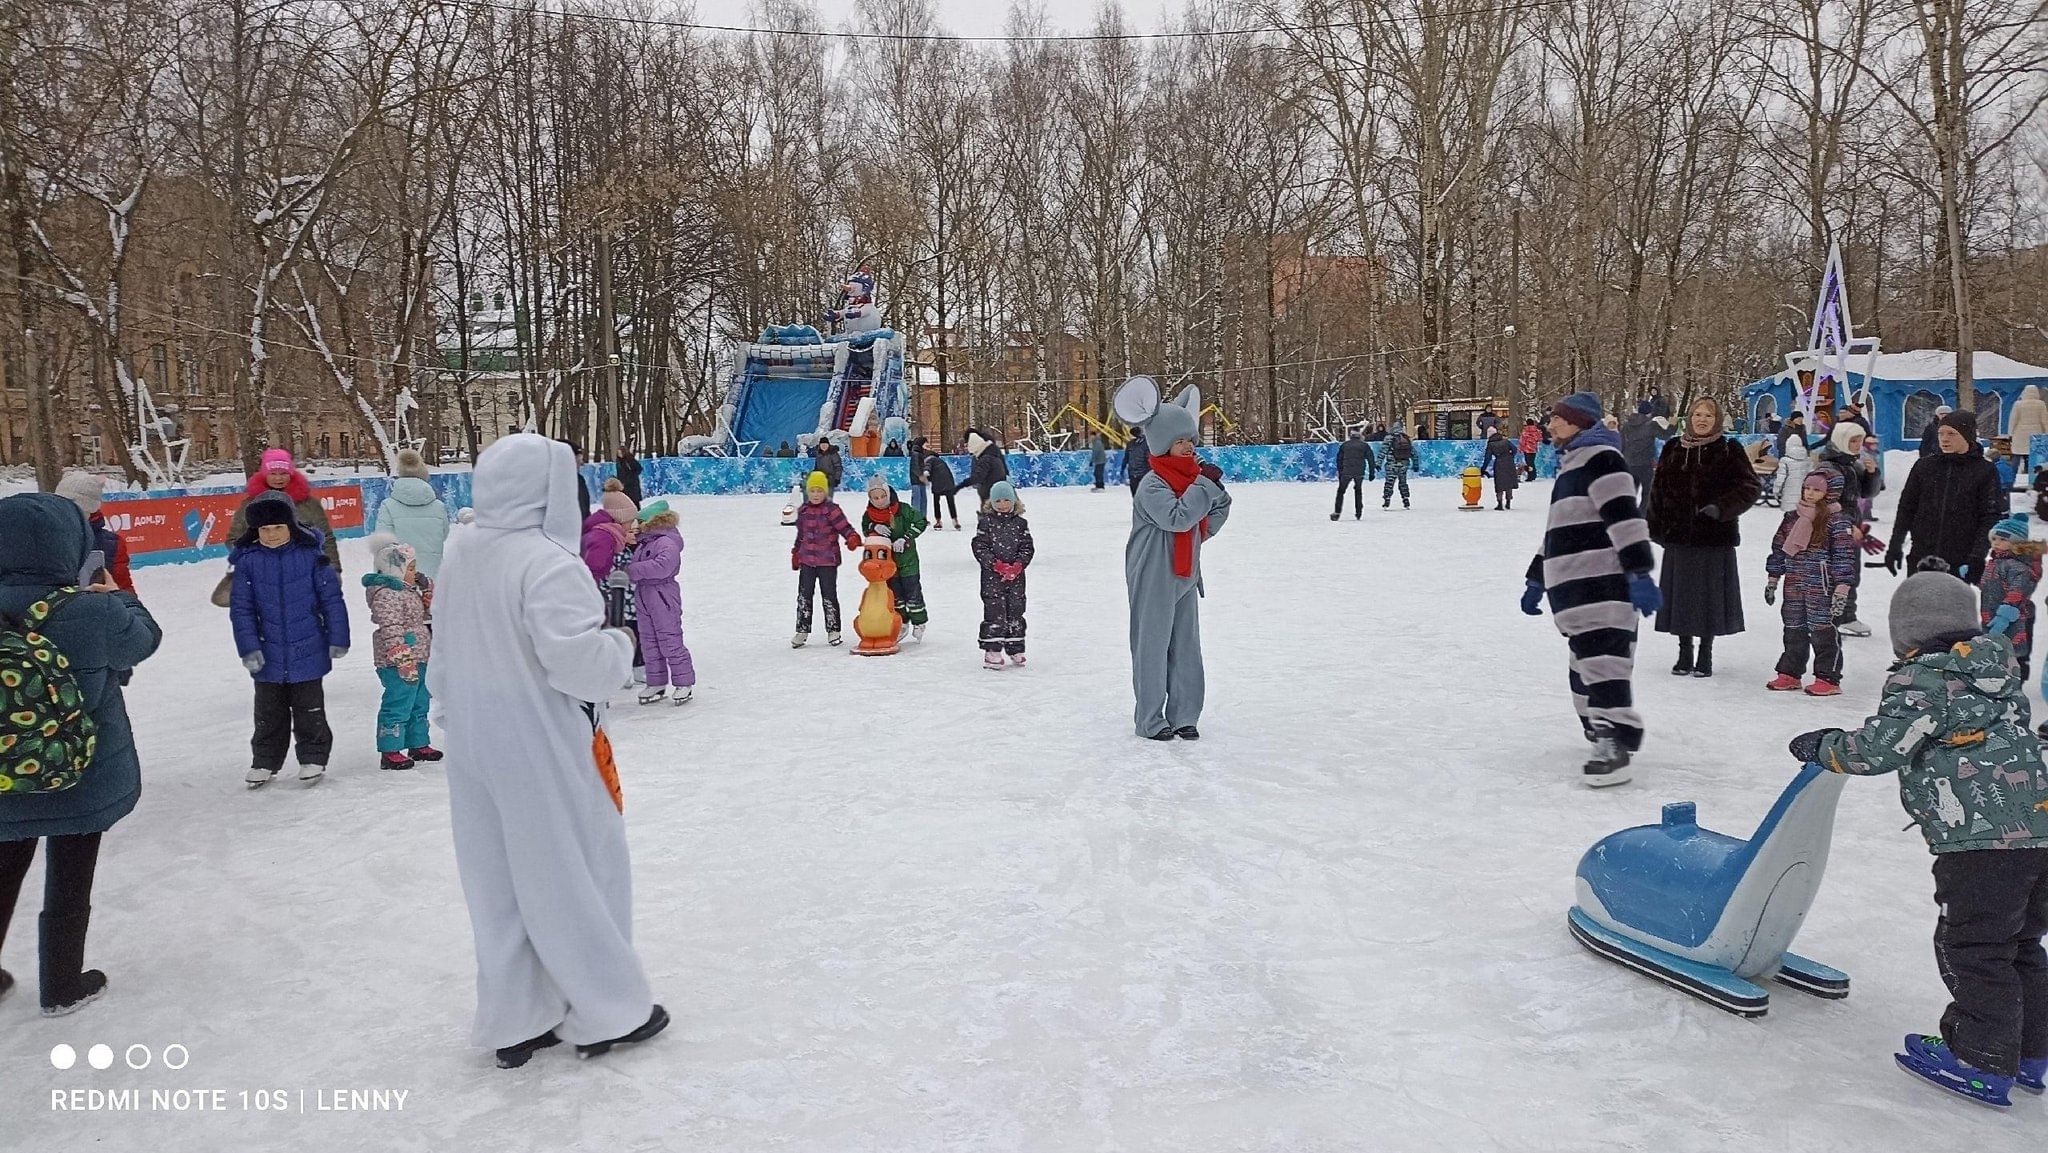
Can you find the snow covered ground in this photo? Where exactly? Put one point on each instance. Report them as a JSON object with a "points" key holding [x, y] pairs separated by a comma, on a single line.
{"points": [[905, 904]]}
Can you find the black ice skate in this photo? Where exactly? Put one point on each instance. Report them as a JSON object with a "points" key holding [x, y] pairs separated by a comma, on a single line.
{"points": [[1608, 765], [513, 1056], [656, 1022]]}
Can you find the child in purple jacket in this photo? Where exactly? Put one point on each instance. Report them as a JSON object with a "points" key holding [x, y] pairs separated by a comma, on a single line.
{"points": [[820, 525], [657, 558]]}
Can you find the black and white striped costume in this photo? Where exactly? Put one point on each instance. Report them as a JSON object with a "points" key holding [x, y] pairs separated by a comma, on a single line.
{"points": [[1595, 540]]}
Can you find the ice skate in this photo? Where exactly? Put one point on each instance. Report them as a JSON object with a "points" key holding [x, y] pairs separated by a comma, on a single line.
{"points": [[1017, 659], [259, 777], [1853, 629], [311, 774], [2032, 1072], [395, 762], [513, 1056], [992, 661], [833, 637], [799, 640], [1608, 766], [1333, 516], [1930, 1059], [654, 696], [1823, 688], [1784, 683], [680, 695], [656, 1022], [917, 632], [425, 754]]}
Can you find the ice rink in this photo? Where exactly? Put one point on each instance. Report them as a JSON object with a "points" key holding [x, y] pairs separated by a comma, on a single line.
{"points": [[905, 904]]}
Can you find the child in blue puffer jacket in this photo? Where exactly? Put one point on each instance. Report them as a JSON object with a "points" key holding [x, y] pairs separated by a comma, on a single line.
{"points": [[291, 625]]}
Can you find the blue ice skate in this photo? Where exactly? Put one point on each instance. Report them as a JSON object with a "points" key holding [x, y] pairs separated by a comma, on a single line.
{"points": [[1931, 1060], [1711, 914], [2033, 1074], [1923, 1046]]}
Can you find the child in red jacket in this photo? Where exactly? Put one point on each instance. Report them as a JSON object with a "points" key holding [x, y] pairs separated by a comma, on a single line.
{"points": [[820, 525]]}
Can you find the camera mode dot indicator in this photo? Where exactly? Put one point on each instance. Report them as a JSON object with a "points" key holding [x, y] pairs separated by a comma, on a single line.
{"points": [[99, 1057], [63, 1056]]}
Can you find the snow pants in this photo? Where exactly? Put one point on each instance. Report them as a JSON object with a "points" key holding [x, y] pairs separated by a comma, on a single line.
{"points": [[815, 579], [1397, 474], [402, 716], [661, 635], [288, 713], [1602, 661], [1002, 614], [1994, 910], [909, 592], [1166, 662], [542, 855], [1826, 646]]}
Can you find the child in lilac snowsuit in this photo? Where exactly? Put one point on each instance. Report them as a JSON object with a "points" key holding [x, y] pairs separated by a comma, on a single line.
{"points": [[1814, 553], [657, 558]]}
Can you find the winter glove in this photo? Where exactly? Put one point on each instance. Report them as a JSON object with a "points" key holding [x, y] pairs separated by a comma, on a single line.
{"points": [[1771, 591], [1838, 604], [466, 516], [253, 662], [1214, 474], [336, 652], [1805, 747], [1532, 599], [1642, 593], [1711, 511], [900, 544], [2003, 620], [852, 542], [1891, 562]]}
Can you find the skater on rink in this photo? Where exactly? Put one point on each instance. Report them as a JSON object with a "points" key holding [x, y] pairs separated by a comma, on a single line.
{"points": [[291, 625], [1815, 554], [887, 516], [1595, 569], [102, 633], [1952, 723], [1002, 546], [820, 526], [609, 534], [2011, 575], [524, 665], [1354, 455], [1397, 455], [658, 603], [1500, 464], [400, 597], [1180, 504]]}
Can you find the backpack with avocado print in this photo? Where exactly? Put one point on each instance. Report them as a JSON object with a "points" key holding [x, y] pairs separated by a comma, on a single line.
{"points": [[46, 736]]}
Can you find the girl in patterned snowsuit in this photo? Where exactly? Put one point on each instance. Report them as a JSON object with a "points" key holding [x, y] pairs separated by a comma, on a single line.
{"points": [[1814, 554], [2010, 577]]}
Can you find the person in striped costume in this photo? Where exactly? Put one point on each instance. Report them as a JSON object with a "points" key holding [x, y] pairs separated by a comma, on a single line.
{"points": [[1595, 568]]}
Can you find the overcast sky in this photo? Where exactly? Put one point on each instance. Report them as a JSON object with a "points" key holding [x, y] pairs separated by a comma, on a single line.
{"points": [[968, 17]]}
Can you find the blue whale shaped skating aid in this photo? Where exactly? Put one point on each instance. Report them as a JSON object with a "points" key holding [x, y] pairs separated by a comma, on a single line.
{"points": [[1708, 913]]}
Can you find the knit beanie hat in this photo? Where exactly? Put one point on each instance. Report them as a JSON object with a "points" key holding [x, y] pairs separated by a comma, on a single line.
{"points": [[411, 464], [272, 508], [652, 509], [1931, 603], [82, 489], [389, 555], [1644, 407], [274, 458], [2013, 527], [1942, 410], [1581, 408], [817, 482], [1002, 490], [1963, 422], [879, 483], [1838, 437], [619, 506]]}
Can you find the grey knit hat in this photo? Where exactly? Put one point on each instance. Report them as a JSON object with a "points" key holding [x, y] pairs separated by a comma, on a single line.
{"points": [[82, 489], [411, 464], [1931, 604]]}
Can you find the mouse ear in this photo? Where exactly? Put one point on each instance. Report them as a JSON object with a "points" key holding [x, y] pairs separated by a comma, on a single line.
{"points": [[1190, 398], [1137, 400]]}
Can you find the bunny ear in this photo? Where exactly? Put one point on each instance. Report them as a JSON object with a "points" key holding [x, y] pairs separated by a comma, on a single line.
{"points": [[1137, 400], [1190, 398]]}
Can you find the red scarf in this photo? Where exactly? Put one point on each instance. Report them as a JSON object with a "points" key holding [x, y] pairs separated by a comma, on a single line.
{"points": [[1179, 472], [882, 516]]}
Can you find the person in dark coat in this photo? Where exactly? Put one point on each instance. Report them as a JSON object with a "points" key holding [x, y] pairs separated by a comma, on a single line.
{"points": [[1704, 484], [1640, 436], [1137, 462], [1098, 459], [1930, 439], [629, 472], [989, 465], [1500, 464], [1950, 503], [828, 461], [1352, 457], [102, 632], [291, 625], [945, 488], [919, 486]]}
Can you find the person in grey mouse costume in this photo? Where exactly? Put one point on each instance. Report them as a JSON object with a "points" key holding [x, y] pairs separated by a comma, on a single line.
{"points": [[1178, 505]]}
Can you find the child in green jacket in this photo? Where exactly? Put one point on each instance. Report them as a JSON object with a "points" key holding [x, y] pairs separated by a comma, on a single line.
{"points": [[902, 524], [1953, 724]]}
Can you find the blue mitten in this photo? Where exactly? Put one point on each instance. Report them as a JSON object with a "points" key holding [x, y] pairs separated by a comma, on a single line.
{"points": [[1532, 599], [1642, 593], [2003, 620]]}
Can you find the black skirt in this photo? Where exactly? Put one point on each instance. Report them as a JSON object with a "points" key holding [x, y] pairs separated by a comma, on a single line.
{"points": [[1702, 589]]}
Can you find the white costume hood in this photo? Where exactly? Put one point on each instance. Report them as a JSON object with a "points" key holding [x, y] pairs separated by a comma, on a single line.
{"points": [[526, 481]]}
